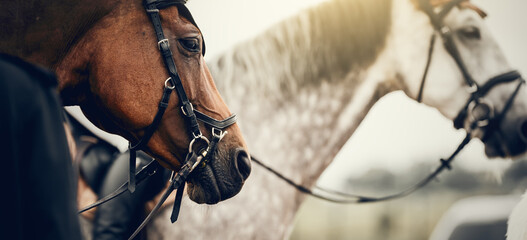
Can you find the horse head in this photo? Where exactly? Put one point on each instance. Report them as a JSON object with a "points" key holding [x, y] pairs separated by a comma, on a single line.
{"points": [[118, 77], [467, 78]]}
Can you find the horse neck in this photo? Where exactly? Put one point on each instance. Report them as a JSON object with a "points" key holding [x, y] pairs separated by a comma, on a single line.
{"points": [[43, 31], [302, 88]]}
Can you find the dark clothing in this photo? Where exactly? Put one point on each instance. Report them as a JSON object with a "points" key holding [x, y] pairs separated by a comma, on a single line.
{"points": [[104, 168], [37, 180], [118, 218]]}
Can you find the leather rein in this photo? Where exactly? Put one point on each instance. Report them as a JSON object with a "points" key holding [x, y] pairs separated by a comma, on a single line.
{"points": [[196, 155], [489, 121]]}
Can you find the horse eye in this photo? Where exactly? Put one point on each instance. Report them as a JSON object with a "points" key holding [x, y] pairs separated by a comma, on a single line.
{"points": [[470, 32], [191, 44]]}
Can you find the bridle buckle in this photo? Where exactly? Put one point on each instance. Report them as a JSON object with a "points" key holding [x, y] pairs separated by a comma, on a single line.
{"points": [[218, 133], [161, 42], [190, 109]]}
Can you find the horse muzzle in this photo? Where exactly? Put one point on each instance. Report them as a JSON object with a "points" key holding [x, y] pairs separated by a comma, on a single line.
{"points": [[510, 140], [221, 178]]}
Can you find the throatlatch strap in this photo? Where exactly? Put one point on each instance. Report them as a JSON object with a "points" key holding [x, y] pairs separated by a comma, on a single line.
{"points": [[163, 104]]}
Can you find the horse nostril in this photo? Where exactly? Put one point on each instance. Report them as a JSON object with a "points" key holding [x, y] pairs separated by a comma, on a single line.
{"points": [[243, 163], [523, 130]]}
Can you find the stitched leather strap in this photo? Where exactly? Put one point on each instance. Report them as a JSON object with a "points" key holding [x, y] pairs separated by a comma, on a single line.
{"points": [[164, 48], [177, 181], [340, 197], [216, 123], [482, 91], [145, 172]]}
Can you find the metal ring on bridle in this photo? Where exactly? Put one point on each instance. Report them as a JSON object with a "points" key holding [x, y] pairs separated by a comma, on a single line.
{"points": [[201, 137], [484, 119], [169, 83]]}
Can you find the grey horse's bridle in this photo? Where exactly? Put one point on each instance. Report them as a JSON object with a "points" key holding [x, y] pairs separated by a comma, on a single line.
{"points": [[480, 112]]}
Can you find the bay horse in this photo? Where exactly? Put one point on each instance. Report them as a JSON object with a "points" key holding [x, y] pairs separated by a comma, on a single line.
{"points": [[313, 78], [106, 55]]}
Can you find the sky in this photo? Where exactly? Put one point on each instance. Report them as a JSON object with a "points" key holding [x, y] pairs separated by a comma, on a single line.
{"points": [[403, 143]]}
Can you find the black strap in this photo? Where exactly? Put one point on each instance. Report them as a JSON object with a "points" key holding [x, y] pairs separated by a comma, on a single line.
{"points": [[177, 204], [174, 82], [151, 214], [215, 123], [483, 90], [446, 34], [502, 78], [177, 181], [145, 172], [495, 122], [450, 46], [131, 171], [163, 104], [340, 197], [160, 4], [427, 66], [164, 48]]}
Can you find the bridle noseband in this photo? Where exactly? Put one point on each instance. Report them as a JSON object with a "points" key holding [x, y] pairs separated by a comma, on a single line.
{"points": [[489, 120], [196, 154]]}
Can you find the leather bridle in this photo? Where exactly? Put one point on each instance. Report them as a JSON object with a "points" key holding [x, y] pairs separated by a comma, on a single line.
{"points": [[488, 120], [480, 112], [196, 155]]}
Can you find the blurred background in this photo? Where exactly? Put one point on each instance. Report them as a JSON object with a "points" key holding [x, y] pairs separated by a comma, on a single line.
{"points": [[398, 143]]}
